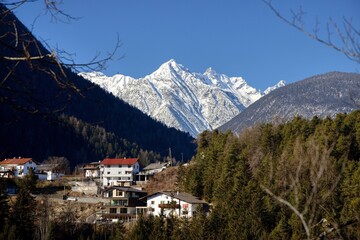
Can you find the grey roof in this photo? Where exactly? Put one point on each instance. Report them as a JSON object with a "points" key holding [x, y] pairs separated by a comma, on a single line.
{"points": [[152, 166], [47, 167], [94, 163], [183, 196]]}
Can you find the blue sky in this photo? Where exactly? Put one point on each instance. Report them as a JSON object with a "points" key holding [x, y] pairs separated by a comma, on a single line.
{"points": [[234, 37]]}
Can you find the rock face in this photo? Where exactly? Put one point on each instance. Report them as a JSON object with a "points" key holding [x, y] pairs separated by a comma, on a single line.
{"points": [[191, 102], [321, 95]]}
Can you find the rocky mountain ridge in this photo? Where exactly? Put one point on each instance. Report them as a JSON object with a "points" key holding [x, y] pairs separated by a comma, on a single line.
{"points": [[321, 95], [177, 97]]}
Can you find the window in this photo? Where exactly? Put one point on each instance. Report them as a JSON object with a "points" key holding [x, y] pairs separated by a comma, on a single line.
{"points": [[162, 202], [112, 210], [108, 172], [119, 172], [152, 202], [123, 210], [129, 166], [119, 193]]}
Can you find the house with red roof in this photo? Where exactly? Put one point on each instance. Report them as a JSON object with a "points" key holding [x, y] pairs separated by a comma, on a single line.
{"points": [[16, 167], [119, 171]]}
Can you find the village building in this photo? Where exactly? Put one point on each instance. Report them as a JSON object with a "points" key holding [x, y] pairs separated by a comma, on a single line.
{"points": [[49, 172], [91, 170], [16, 167], [179, 204], [124, 203], [119, 171], [150, 170]]}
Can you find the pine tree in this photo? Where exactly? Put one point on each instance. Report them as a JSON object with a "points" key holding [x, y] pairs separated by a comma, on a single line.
{"points": [[23, 214], [4, 207]]}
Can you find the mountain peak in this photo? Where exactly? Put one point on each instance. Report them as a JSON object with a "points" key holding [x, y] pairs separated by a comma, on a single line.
{"points": [[171, 61], [210, 72], [170, 67], [191, 102], [281, 83]]}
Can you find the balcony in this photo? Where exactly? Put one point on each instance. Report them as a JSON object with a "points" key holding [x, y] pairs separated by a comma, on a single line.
{"points": [[169, 205]]}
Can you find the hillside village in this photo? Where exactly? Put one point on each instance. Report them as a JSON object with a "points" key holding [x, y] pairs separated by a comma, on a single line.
{"points": [[287, 166], [117, 184]]}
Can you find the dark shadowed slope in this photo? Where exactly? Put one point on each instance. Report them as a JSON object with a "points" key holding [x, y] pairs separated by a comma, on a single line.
{"points": [[31, 96]]}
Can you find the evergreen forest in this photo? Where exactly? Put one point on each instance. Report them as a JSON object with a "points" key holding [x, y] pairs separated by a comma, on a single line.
{"points": [[297, 180]]}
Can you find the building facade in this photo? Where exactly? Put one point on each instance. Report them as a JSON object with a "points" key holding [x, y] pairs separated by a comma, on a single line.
{"points": [[124, 203], [17, 167], [174, 203], [119, 171], [92, 170]]}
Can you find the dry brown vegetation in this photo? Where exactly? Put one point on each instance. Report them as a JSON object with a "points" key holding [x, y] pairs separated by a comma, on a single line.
{"points": [[163, 181]]}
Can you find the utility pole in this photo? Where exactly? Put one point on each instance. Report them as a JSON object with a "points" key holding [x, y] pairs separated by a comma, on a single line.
{"points": [[170, 156]]}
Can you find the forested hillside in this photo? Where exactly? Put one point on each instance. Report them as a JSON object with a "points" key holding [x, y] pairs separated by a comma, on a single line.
{"points": [[291, 181], [66, 136]]}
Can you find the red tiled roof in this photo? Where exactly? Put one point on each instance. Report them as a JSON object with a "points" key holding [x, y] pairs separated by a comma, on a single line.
{"points": [[119, 161], [18, 161]]}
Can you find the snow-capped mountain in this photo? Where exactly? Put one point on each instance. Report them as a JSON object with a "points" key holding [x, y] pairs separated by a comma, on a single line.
{"points": [[191, 102], [280, 84]]}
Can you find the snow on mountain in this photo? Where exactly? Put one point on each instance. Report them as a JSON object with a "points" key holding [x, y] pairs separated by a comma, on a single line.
{"points": [[282, 83], [191, 102], [322, 95]]}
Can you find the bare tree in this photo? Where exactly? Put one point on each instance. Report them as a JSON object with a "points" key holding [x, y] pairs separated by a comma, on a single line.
{"points": [[59, 164], [344, 37], [308, 180], [20, 49]]}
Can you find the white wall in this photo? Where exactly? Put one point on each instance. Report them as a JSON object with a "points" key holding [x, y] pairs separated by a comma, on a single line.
{"points": [[160, 198], [112, 174], [22, 170]]}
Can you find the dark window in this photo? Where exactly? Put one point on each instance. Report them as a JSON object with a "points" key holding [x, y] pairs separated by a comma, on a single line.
{"points": [[123, 210], [112, 210]]}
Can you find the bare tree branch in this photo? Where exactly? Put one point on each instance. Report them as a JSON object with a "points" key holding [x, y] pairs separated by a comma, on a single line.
{"points": [[283, 201], [309, 165], [20, 47], [348, 35]]}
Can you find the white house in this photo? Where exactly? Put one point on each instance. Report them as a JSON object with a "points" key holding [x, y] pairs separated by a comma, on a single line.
{"points": [[180, 204], [119, 171], [150, 170], [49, 172], [17, 167], [92, 170]]}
